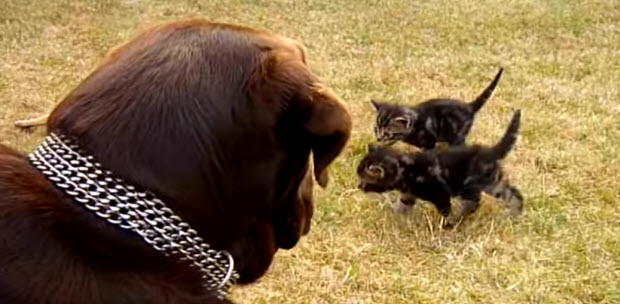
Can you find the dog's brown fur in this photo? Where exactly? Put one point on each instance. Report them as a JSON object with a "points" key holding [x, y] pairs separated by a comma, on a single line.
{"points": [[217, 120]]}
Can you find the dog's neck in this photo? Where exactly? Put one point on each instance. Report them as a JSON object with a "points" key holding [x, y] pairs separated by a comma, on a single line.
{"points": [[115, 201]]}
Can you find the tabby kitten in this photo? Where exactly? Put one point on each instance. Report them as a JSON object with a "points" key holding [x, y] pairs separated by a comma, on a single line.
{"points": [[432, 121], [437, 176]]}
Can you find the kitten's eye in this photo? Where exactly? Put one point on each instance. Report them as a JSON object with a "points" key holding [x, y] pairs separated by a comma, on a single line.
{"points": [[375, 171]]}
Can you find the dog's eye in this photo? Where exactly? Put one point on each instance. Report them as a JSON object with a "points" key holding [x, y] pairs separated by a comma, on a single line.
{"points": [[375, 171]]}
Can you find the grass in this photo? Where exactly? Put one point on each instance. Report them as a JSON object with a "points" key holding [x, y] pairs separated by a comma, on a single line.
{"points": [[562, 64]]}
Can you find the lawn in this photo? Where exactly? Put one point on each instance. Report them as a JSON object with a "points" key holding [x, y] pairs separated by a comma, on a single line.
{"points": [[562, 68]]}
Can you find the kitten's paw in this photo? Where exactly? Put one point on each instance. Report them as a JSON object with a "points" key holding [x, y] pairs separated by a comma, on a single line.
{"points": [[450, 222], [445, 223], [401, 208]]}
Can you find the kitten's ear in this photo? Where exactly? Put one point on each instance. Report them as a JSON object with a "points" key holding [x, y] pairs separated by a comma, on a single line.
{"points": [[376, 171], [375, 105]]}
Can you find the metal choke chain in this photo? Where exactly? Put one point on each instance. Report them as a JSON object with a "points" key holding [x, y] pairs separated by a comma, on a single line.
{"points": [[81, 177]]}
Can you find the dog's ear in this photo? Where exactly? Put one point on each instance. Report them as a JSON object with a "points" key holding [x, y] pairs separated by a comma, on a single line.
{"points": [[329, 126], [307, 103]]}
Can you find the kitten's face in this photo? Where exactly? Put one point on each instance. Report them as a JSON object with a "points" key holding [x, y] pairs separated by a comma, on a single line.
{"points": [[379, 171], [392, 123]]}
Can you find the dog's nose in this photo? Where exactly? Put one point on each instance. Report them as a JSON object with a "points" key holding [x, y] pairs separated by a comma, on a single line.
{"points": [[361, 185]]}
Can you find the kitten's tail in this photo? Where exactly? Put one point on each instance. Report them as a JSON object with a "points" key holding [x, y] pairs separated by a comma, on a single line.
{"points": [[484, 96], [501, 149]]}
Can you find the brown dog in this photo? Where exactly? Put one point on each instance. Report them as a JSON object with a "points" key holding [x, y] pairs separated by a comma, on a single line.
{"points": [[219, 121]]}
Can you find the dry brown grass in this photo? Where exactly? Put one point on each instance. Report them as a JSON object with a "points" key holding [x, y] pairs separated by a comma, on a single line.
{"points": [[562, 60]]}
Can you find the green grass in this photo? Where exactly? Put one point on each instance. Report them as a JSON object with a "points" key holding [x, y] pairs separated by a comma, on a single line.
{"points": [[562, 61]]}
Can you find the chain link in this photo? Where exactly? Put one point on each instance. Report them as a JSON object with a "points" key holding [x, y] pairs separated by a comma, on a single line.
{"points": [[81, 177]]}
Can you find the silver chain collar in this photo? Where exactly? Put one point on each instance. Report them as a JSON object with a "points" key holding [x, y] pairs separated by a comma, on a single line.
{"points": [[82, 178]]}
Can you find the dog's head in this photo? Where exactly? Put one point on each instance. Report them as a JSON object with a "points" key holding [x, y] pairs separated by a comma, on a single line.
{"points": [[222, 122]]}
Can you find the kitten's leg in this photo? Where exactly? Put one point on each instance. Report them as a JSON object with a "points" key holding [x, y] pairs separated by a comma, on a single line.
{"points": [[470, 200], [404, 203], [443, 206], [509, 194], [462, 133]]}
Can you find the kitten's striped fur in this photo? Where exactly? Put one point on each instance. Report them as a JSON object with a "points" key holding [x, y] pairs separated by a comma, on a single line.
{"points": [[436, 176], [432, 121]]}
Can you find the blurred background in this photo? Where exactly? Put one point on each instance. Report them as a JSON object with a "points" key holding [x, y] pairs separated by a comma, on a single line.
{"points": [[562, 68]]}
